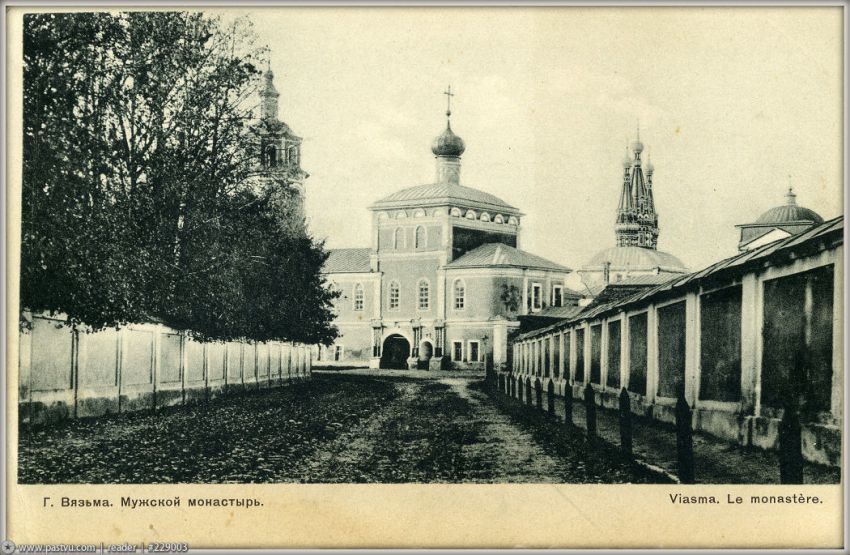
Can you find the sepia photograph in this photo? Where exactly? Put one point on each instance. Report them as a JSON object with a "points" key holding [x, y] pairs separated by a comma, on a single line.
{"points": [[426, 246]]}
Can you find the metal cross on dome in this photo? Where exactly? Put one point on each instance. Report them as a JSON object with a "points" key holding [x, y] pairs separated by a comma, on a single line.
{"points": [[449, 94]]}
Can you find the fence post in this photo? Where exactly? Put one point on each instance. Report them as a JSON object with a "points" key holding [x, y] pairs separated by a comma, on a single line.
{"points": [[625, 421], [490, 376], [538, 390], [568, 404], [790, 446], [528, 393], [550, 398], [590, 410], [684, 439]]}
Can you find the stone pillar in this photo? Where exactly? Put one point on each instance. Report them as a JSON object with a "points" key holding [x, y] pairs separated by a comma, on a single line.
{"points": [[500, 343], [837, 401], [651, 354], [692, 363], [750, 306]]}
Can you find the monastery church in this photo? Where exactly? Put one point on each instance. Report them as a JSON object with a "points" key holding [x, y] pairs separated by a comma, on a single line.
{"points": [[443, 282]]}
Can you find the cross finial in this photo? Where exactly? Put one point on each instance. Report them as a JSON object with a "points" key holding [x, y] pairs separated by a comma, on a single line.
{"points": [[449, 94]]}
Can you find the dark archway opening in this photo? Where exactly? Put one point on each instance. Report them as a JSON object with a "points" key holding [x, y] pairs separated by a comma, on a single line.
{"points": [[395, 352], [426, 351]]}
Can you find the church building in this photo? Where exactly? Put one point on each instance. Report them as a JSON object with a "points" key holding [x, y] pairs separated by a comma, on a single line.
{"points": [[635, 257], [443, 283]]}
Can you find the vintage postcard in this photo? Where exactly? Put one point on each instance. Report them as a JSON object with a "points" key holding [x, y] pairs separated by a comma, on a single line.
{"points": [[424, 277]]}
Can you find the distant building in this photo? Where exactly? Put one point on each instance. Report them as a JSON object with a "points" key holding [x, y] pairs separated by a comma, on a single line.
{"points": [[279, 148], [443, 282], [777, 223], [636, 252]]}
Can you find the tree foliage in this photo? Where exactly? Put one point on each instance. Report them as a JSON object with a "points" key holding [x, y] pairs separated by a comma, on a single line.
{"points": [[137, 197]]}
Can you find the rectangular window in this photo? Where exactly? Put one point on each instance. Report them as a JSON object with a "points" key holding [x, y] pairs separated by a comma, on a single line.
{"points": [[797, 338], [358, 297], [457, 351], [556, 369], [536, 292], [567, 341], [720, 345], [612, 378], [557, 295], [596, 354], [459, 294], [671, 349], [580, 356], [473, 351], [546, 342], [637, 353], [424, 295], [394, 296]]}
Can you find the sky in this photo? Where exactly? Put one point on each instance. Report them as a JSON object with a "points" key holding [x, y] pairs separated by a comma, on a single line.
{"points": [[734, 105]]}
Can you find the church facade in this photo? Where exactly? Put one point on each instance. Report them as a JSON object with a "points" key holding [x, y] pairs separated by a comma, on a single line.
{"points": [[443, 283]]}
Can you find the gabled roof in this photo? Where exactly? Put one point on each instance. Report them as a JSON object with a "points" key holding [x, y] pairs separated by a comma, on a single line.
{"points": [[346, 261], [493, 255], [816, 239], [444, 193]]}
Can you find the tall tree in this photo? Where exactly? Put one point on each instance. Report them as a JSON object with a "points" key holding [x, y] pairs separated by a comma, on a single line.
{"points": [[136, 202]]}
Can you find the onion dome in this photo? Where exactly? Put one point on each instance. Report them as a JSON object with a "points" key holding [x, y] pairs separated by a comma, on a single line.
{"points": [[789, 212], [649, 167], [637, 146], [448, 144]]}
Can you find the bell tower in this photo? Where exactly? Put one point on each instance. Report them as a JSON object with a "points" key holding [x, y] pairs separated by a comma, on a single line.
{"points": [[279, 156]]}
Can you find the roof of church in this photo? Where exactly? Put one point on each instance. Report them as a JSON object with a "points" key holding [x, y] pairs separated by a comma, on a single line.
{"points": [[345, 261], [790, 212], [636, 258], [500, 255], [443, 193]]}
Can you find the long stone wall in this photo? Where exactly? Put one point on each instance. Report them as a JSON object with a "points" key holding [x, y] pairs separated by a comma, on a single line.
{"points": [[74, 373], [732, 346]]}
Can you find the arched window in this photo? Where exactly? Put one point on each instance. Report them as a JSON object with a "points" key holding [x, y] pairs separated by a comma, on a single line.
{"points": [[485, 217], [420, 239], [470, 215], [419, 213], [394, 296], [459, 294], [499, 219], [424, 294], [513, 220], [401, 214], [358, 296], [456, 212], [398, 238]]}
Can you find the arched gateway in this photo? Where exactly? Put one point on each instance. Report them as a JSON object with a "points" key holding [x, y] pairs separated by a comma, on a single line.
{"points": [[395, 352]]}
